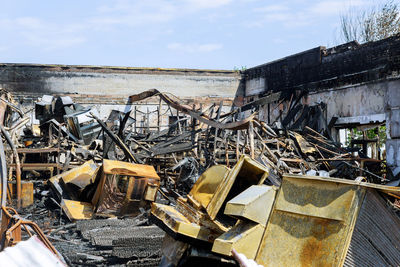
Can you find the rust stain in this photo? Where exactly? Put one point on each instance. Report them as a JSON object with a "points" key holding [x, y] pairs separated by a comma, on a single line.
{"points": [[315, 252], [311, 252]]}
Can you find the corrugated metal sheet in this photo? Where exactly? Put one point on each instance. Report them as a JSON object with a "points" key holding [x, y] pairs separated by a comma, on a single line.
{"points": [[376, 236]]}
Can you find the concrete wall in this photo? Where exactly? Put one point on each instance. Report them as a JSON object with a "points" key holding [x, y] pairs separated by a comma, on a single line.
{"points": [[393, 127], [35, 80]]}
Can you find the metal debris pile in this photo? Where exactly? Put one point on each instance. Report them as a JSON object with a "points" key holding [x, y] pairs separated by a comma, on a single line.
{"points": [[89, 181]]}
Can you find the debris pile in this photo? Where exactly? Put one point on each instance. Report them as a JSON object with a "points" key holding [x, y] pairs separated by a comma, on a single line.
{"points": [[89, 181], [318, 221]]}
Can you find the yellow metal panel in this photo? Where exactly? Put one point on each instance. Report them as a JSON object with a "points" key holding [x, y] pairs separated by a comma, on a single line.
{"points": [[169, 217], [204, 188], [76, 210], [383, 188], [255, 204], [244, 237], [151, 192], [298, 240], [80, 176], [304, 145], [121, 187], [316, 198], [26, 192], [127, 168], [311, 223], [248, 172]]}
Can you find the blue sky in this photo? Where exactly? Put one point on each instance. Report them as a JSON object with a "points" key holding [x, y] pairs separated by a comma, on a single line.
{"points": [[205, 34]]}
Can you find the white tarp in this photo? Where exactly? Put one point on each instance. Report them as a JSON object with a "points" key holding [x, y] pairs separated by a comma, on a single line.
{"points": [[31, 252]]}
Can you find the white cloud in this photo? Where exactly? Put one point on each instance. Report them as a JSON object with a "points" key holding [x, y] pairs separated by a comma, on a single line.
{"points": [[194, 48], [135, 13], [199, 4], [149, 19], [29, 22], [31, 31], [333, 8], [52, 40], [271, 8], [302, 14], [278, 41]]}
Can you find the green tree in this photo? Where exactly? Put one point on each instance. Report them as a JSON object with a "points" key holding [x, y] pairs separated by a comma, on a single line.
{"points": [[370, 24]]}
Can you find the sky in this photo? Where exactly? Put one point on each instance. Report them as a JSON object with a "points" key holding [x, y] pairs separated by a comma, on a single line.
{"points": [[200, 34]]}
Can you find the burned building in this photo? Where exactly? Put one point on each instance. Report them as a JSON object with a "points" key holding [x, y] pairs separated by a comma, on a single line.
{"points": [[214, 158], [358, 83]]}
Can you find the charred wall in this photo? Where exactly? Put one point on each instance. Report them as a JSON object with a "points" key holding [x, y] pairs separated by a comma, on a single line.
{"points": [[32, 80], [359, 83], [321, 68]]}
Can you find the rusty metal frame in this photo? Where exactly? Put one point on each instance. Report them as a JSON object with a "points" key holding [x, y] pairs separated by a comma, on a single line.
{"points": [[243, 124], [17, 163], [11, 229], [3, 174]]}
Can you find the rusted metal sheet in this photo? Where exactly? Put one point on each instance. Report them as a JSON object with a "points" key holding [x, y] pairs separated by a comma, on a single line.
{"points": [[311, 223], [11, 225]]}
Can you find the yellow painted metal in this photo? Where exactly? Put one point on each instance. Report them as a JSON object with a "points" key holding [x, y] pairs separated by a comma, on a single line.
{"points": [[254, 204], [304, 145], [179, 224], [245, 173], [36, 129], [382, 188], [80, 176], [195, 216], [26, 192], [77, 210], [244, 237], [311, 222], [130, 169], [123, 187], [151, 192], [204, 188]]}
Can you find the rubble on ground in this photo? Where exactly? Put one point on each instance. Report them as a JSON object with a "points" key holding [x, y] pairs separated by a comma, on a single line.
{"points": [[95, 186]]}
